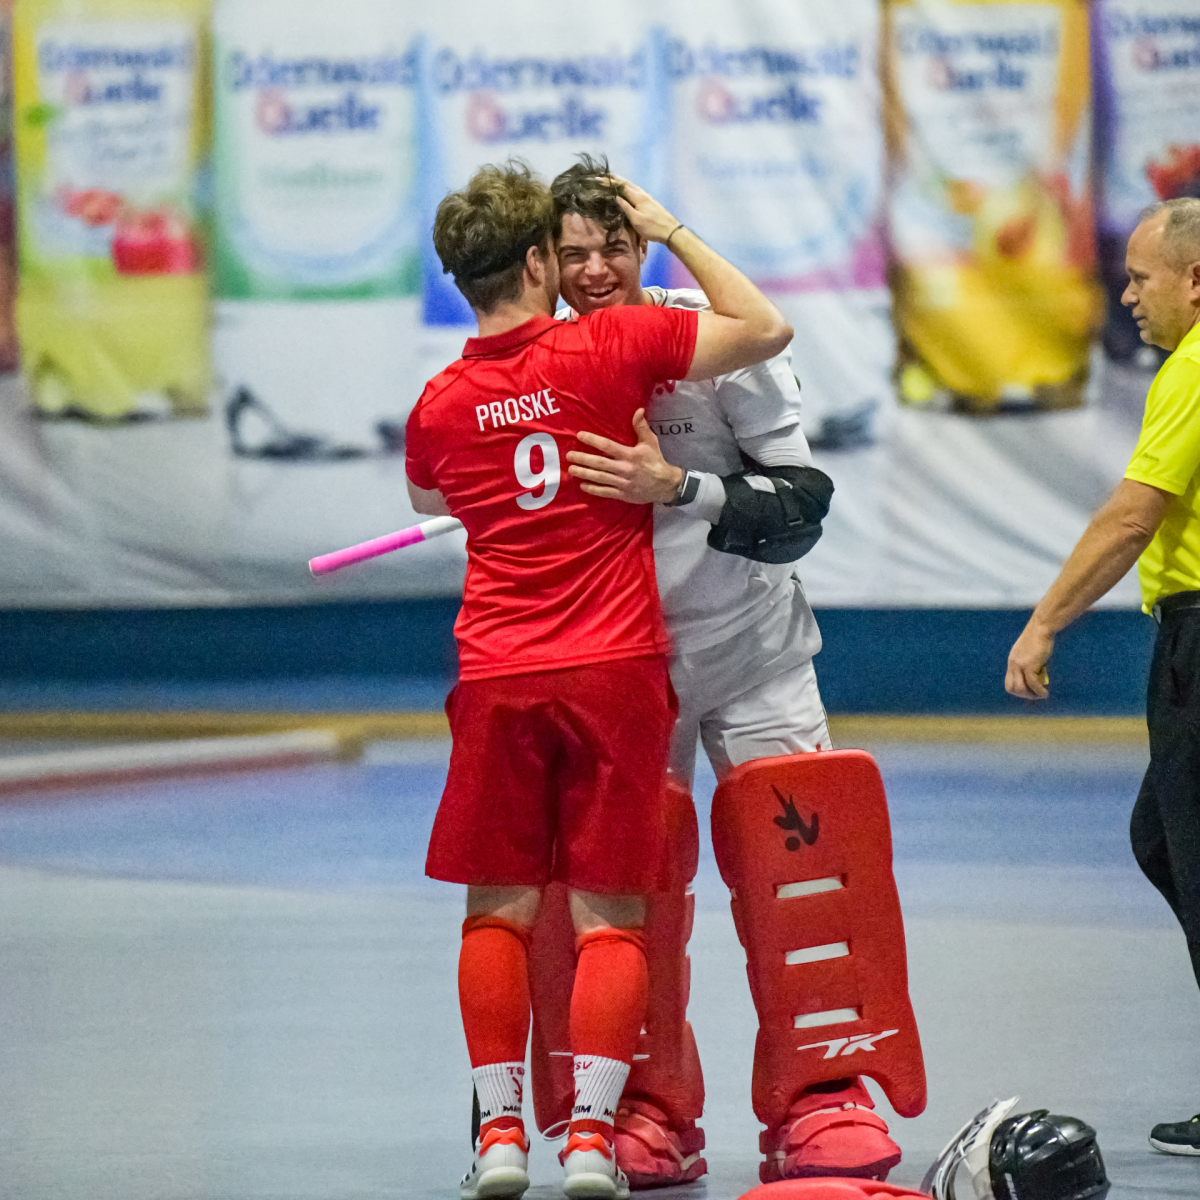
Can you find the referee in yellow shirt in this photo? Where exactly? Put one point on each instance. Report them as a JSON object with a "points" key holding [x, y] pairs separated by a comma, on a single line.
{"points": [[1153, 516]]}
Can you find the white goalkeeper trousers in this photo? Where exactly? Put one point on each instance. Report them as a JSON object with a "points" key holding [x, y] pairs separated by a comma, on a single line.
{"points": [[752, 696]]}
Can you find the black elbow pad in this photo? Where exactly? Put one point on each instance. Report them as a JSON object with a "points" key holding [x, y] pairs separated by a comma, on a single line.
{"points": [[777, 526]]}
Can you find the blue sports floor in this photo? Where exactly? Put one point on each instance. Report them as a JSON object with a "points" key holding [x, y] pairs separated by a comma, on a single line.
{"points": [[241, 986]]}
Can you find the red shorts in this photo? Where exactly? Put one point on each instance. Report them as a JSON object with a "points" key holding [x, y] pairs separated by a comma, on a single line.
{"points": [[557, 775]]}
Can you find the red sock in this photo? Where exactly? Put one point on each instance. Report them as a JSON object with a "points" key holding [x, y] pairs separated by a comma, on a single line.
{"points": [[493, 994], [608, 1005]]}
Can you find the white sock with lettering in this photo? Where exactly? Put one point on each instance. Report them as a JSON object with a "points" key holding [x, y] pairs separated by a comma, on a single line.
{"points": [[599, 1083], [500, 1088]]}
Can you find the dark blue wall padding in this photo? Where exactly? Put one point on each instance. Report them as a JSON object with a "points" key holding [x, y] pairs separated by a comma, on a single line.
{"points": [[953, 661], [411, 637], [874, 660]]}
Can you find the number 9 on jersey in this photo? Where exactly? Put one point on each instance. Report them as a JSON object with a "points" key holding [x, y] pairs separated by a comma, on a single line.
{"points": [[527, 477]]}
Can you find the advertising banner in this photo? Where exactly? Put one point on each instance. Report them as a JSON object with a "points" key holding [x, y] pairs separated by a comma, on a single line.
{"points": [[1147, 114], [575, 80], [912, 182], [111, 129], [315, 239], [990, 214], [777, 160], [9, 354], [314, 152]]}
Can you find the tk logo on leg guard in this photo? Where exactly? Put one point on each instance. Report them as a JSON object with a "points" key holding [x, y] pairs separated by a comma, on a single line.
{"points": [[848, 1045], [792, 820]]}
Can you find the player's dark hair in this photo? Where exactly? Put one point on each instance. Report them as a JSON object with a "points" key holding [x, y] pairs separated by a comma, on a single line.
{"points": [[587, 190], [483, 232]]}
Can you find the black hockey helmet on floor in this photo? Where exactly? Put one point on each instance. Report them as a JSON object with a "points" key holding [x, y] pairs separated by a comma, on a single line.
{"points": [[1038, 1156]]}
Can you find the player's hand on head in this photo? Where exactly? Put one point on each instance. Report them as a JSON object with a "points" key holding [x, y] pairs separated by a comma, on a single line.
{"points": [[649, 219], [1026, 675], [637, 474]]}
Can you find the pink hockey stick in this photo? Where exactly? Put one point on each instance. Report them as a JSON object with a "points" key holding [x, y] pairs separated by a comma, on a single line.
{"points": [[325, 564]]}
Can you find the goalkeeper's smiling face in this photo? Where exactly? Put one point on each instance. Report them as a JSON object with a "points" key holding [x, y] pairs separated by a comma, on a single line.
{"points": [[598, 268]]}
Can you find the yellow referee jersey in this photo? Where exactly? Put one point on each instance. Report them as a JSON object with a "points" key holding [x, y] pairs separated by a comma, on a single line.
{"points": [[1167, 456]]}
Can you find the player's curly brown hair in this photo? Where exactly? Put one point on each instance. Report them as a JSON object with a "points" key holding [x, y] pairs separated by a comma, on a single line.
{"points": [[482, 233], [587, 190]]}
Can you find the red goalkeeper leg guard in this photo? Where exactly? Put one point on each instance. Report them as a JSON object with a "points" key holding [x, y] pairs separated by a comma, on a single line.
{"points": [[658, 1140], [666, 1070], [804, 843]]}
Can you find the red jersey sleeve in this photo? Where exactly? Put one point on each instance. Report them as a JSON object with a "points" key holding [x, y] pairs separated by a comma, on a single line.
{"points": [[642, 345], [415, 463]]}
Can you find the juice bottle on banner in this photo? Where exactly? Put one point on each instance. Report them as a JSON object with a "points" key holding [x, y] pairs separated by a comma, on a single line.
{"points": [[316, 270], [111, 132], [1146, 56], [777, 161], [567, 80], [995, 299], [8, 200]]}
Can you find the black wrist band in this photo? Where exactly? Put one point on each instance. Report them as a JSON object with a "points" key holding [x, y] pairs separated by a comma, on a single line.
{"points": [[673, 232], [688, 490]]}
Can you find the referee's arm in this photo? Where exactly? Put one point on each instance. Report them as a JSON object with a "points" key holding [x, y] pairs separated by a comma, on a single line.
{"points": [[1111, 544]]}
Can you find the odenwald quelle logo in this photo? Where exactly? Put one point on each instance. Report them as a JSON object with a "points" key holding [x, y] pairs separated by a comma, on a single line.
{"points": [[977, 61], [490, 122], [1161, 41], [535, 99], [318, 96], [748, 85], [97, 74]]}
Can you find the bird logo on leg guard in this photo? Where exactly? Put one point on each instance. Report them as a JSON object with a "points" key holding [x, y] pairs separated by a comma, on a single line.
{"points": [[792, 820]]}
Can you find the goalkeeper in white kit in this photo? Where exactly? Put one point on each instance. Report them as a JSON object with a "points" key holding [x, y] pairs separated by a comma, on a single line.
{"points": [[738, 501]]}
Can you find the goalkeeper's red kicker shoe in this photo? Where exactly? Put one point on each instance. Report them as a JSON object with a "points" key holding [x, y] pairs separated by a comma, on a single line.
{"points": [[829, 1133], [501, 1167], [590, 1169], [652, 1153]]}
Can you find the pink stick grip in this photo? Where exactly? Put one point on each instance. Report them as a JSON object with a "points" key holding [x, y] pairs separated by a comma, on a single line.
{"points": [[325, 564]]}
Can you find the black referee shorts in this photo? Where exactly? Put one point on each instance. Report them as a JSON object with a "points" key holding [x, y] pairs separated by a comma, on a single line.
{"points": [[1165, 827]]}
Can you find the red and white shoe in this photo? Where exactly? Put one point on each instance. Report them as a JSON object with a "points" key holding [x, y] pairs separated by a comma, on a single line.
{"points": [[590, 1169], [651, 1152], [829, 1133], [501, 1167]]}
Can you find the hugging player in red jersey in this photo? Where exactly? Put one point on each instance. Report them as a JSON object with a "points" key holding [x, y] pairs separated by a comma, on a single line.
{"points": [[563, 711]]}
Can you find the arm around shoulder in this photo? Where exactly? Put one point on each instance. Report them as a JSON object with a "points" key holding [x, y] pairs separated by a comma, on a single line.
{"points": [[725, 344], [744, 327]]}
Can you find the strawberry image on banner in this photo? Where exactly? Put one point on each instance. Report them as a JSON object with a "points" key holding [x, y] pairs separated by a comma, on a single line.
{"points": [[111, 129]]}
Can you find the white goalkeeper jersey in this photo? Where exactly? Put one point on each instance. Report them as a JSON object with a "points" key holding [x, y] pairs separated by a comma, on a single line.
{"points": [[709, 596]]}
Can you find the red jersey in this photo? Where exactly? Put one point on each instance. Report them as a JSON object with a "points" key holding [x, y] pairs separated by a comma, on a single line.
{"points": [[555, 578]]}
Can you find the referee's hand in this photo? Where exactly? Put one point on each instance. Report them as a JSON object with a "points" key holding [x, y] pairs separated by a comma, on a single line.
{"points": [[1026, 676], [637, 474]]}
